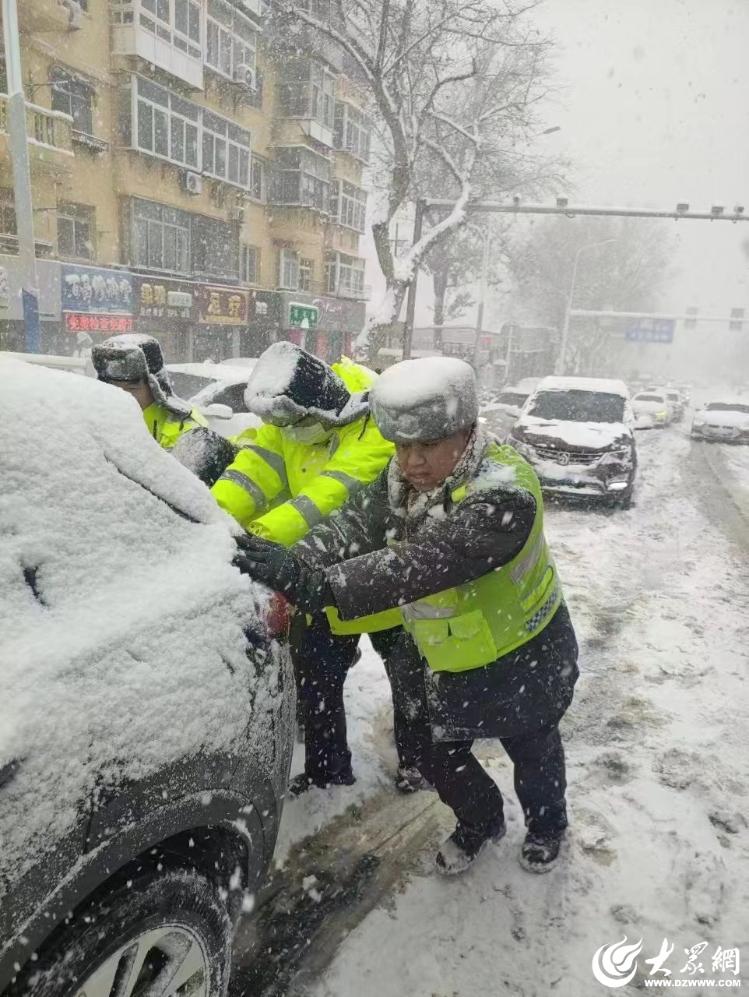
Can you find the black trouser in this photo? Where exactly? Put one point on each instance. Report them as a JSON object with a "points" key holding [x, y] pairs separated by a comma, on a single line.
{"points": [[321, 663], [458, 776]]}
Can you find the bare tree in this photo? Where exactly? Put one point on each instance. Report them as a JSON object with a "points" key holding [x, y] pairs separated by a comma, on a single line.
{"points": [[442, 76], [623, 265]]}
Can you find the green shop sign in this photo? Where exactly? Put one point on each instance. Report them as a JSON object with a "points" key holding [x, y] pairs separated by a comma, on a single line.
{"points": [[303, 316]]}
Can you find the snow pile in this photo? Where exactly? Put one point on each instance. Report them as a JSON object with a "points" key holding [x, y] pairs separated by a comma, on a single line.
{"points": [[121, 628]]}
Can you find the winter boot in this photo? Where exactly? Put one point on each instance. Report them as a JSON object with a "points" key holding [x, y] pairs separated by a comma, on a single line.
{"points": [[464, 845], [540, 851], [410, 780], [302, 782]]}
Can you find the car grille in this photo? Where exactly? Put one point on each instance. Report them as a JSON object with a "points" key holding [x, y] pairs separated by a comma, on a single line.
{"points": [[567, 456]]}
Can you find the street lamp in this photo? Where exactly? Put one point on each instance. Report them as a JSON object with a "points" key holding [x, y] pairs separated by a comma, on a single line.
{"points": [[568, 306], [484, 236]]}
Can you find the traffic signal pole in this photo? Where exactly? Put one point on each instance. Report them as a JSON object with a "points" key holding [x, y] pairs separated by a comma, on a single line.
{"points": [[19, 156]]}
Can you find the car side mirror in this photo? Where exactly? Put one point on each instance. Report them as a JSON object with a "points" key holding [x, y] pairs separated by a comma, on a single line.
{"points": [[218, 411]]}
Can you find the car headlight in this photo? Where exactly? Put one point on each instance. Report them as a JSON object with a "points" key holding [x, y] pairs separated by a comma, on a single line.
{"points": [[661, 415], [616, 457]]}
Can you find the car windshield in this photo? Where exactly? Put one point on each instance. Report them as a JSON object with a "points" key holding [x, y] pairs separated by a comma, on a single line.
{"points": [[728, 407], [578, 406], [649, 398], [188, 385], [512, 398]]}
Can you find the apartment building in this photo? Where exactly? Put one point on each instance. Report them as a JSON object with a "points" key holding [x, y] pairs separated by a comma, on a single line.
{"points": [[196, 173]]}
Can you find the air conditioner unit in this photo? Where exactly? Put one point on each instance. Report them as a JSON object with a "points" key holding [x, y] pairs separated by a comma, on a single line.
{"points": [[192, 182], [244, 74]]}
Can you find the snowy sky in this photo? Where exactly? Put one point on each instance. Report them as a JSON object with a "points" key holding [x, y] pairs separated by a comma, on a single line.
{"points": [[652, 109]]}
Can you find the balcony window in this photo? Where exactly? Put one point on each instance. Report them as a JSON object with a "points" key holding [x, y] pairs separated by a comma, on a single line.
{"points": [[73, 96], [289, 270], [226, 150], [306, 271], [160, 237], [345, 275], [302, 177], [349, 205], [167, 125], [353, 131], [307, 90], [174, 21], [258, 178], [160, 123], [231, 39], [75, 231], [215, 247], [250, 264]]}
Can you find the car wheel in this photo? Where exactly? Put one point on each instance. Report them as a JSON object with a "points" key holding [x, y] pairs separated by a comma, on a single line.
{"points": [[167, 934]]}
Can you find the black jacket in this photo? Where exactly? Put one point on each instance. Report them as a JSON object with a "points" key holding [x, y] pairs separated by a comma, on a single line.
{"points": [[449, 545]]}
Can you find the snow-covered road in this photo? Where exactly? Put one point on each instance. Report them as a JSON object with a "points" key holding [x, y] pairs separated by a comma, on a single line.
{"points": [[658, 768]]}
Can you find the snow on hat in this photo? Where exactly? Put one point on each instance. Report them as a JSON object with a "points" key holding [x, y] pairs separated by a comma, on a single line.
{"points": [[288, 384], [133, 357], [428, 399]]}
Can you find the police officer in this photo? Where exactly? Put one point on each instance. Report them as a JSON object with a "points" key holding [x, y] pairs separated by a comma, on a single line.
{"points": [[452, 533], [317, 447], [134, 362]]}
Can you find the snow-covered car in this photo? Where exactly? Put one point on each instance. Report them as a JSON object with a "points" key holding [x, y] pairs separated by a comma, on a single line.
{"points": [[651, 410], [676, 404], [727, 421], [577, 432], [501, 414], [218, 391], [76, 365], [146, 713]]}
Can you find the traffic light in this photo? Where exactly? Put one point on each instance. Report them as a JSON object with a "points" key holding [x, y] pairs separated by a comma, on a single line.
{"points": [[736, 323], [691, 322]]}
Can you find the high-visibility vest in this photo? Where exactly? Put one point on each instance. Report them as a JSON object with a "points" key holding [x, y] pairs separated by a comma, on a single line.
{"points": [[471, 625], [279, 488], [166, 427]]}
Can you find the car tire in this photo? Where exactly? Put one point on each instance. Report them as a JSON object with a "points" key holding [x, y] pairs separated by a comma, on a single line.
{"points": [[168, 923]]}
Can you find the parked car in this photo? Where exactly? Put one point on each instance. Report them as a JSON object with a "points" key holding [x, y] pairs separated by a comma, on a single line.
{"points": [[727, 421], [651, 410], [76, 365], [676, 404], [146, 714], [501, 414], [218, 391], [578, 434]]}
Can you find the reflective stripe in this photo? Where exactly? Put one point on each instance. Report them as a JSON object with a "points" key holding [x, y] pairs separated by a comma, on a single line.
{"points": [[426, 611], [347, 480], [253, 490], [307, 510], [529, 562], [274, 460], [540, 615]]}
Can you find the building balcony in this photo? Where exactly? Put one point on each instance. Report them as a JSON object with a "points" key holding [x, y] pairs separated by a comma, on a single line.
{"points": [[49, 138], [136, 32], [353, 293]]}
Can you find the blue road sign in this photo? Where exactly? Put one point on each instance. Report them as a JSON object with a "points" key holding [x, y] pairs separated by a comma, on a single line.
{"points": [[651, 330]]}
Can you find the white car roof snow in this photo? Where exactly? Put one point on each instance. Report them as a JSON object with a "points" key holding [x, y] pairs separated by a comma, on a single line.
{"points": [[609, 386]]}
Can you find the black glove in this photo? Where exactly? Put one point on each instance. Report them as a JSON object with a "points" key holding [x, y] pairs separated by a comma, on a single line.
{"points": [[277, 567]]}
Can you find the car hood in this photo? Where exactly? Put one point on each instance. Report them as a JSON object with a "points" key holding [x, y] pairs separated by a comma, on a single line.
{"points": [[559, 434], [122, 620], [734, 420]]}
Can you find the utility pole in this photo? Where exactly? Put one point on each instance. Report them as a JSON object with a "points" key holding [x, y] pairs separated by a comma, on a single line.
{"points": [[562, 357], [482, 297], [19, 155], [408, 331]]}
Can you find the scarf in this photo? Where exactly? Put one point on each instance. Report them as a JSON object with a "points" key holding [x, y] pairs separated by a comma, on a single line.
{"points": [[414, 506]]}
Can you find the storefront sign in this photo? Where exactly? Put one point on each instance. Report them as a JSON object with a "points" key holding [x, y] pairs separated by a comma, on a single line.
{"points": [[96, 290], [84, 322], [156, 298], [303, 316], [222, 305]]}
